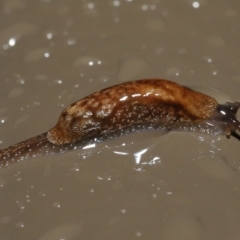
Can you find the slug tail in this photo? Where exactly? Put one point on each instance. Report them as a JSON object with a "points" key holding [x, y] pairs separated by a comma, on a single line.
{"points": [[29, 148]]}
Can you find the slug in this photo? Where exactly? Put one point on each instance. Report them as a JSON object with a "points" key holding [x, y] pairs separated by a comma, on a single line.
{"points": [[141, 104]]}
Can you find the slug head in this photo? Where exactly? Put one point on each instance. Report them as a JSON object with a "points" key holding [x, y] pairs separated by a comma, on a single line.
{"points": [[225, 115]]}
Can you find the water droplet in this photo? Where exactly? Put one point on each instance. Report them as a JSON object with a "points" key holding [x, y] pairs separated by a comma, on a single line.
{"points": [[196, 4], [116, 3], [123, 211], [46, 55], [71, 42], [58, 81], [57, 205], [12, 42], [138, 234], [22, 208], [90, 5], [20, 225], [49, 35]]}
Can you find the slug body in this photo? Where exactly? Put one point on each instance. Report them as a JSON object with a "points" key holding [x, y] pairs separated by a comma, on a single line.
{"points": [[161, 104]]}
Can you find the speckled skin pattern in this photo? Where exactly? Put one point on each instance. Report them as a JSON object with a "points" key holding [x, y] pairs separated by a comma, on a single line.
{"points": [[162, 103], [129, 103]]}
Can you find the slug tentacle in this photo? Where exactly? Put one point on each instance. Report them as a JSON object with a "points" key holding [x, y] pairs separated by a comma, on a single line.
{"points": [[225, 116], [150, 104]]}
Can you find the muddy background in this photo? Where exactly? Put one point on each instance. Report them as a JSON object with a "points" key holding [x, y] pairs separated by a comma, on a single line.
{"points": [[152, 185]]}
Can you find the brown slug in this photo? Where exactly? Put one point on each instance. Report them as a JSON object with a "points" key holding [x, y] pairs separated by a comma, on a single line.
{"points": [[141, 104]]}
